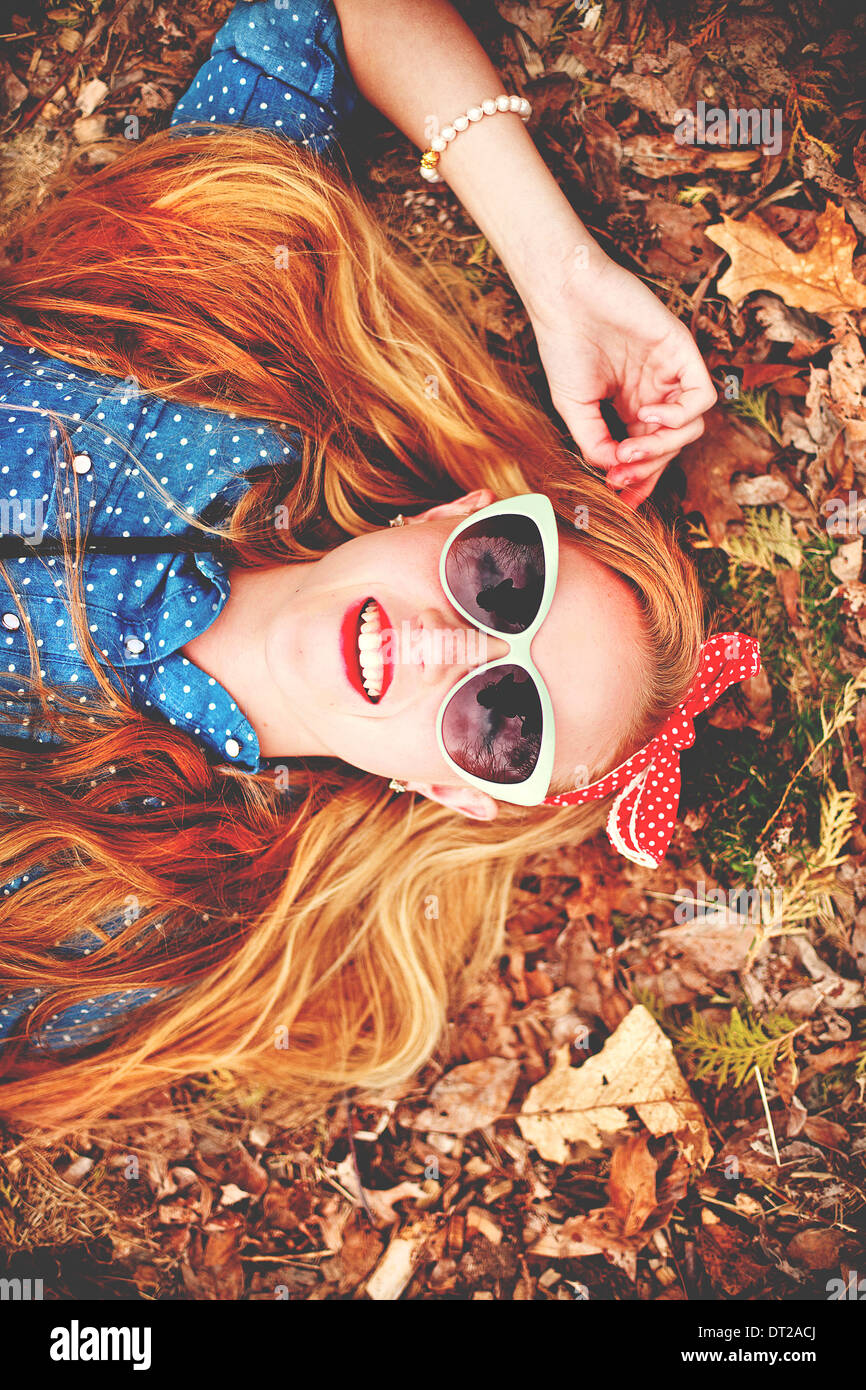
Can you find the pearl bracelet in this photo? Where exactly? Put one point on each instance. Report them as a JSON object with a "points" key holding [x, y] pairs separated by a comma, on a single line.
{"points": [[491, 107]]}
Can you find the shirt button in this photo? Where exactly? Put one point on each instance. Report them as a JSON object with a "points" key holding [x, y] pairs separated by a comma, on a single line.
{"points": [[11, 621], [134, 645], [82, 463], [232, 747]]}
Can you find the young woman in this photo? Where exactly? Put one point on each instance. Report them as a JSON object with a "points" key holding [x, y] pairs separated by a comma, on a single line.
{"points": [[272, 513]]}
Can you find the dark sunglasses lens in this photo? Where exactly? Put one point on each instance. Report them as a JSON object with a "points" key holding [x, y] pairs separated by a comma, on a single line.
{"points": [[495, 570], [492, 725]]}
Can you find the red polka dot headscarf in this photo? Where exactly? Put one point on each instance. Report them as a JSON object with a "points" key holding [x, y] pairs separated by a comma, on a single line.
{"points": [[642, 817]]}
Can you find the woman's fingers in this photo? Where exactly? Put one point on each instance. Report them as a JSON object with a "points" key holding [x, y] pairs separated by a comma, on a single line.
{"points": [[652, 448], [695, 394], [588, 429], [638, 490]]}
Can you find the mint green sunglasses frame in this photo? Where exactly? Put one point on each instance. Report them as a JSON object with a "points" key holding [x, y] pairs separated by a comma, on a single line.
{"points": [[537, 508]]}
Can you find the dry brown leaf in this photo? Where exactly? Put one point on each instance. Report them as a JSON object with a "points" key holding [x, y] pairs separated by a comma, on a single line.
{"points": [[788, 584], [766, 490], [212, 1268], [782, 324], [847, 378], [90, 94], [827, 1133], [726, 447], [469, 1097], [821, 280], [717, 943], [397, 1266], [632, 1186], [650, 94], [635, 1069], [682, 251], [848, 561], [817, 1247], [660, 157], [381, 1201], [534, 19], [726, 1256], [359, 1253]]}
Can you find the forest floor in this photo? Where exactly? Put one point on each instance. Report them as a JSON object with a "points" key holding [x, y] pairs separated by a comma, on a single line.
{"points": [[722, 995]]}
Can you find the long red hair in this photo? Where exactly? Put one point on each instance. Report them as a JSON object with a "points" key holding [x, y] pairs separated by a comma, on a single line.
{"points": [[233, 270]]}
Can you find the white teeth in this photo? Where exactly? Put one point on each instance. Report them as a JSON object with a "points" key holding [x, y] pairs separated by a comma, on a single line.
{"points": [[370, 650]]}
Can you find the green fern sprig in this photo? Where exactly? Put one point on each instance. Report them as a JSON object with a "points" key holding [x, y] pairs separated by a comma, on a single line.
{"points": [[731, 1050], [752, 405], [768, 536]]}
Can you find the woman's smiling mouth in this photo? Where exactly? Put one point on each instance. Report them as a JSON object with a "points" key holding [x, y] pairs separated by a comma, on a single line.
{"points": [[366, 644]]}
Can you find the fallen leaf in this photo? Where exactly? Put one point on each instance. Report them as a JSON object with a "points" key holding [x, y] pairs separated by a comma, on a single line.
{"points": [[359, 1253], [648, 93], [212, 1268], [636, 1068], [380, 1201], [788, 584], [13, 89], [397, 1266], [682, 251], [782, 324], [534, 19], [848, 561], [726, 447], [726, 1257], [604, 153], [817, 1247], [846, 375], [632, 1186], [821, 280], [716, 942], [660, 157], [90, 94], [827, 1133], [89, 128], [764, 491], [469, 1097]]}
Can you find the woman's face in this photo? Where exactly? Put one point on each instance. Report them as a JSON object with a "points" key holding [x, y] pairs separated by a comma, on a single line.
{"points": [[303, 685]]}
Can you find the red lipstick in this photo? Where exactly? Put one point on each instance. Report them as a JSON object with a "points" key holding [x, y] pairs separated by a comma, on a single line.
{"points": [[349, 630]]}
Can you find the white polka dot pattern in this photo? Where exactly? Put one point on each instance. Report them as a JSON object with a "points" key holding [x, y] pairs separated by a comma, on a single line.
{"points": [[279, 68], [270, 66], [642, 817]]}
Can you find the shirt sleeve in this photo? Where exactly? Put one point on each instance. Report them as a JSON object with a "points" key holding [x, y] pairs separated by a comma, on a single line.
{"points": [[277, 66]]}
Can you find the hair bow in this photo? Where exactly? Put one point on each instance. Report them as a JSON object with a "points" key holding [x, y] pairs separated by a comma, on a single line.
{"points": [[641, 819]]}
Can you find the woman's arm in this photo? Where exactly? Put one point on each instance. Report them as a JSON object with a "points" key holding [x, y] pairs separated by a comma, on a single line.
{"points": [[601, 333], [420, 65]]}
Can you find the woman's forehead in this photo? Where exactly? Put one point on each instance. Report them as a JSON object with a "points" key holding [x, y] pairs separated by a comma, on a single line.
{"points": [[589, 651]]}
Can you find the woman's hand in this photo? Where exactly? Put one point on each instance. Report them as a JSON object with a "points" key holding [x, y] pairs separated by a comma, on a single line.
{"points": [[602, 335]]}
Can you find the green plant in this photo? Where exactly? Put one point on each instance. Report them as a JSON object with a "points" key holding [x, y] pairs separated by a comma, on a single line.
{"points": [[753, 405], [726, 1052]]}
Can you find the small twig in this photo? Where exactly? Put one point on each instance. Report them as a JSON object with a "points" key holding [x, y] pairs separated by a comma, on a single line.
{"points": [[769, 1117], [364, 1203]]}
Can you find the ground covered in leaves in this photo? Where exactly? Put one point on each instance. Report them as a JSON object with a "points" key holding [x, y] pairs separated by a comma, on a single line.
{"points": [[659, 1093]]}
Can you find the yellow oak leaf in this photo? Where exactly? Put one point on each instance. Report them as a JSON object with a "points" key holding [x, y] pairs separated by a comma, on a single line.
{"points": [[636, 1069], [820, 280]]}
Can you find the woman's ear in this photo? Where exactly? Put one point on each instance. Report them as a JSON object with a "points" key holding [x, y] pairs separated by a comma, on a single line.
{"points": [[469, 802], [461, 506]]}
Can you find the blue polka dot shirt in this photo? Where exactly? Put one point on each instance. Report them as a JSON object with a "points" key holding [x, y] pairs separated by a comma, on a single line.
{"points": [[275, 66]]}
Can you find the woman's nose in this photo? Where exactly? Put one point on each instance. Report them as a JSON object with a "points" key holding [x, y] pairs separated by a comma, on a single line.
{"points": [[445, 643]]}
